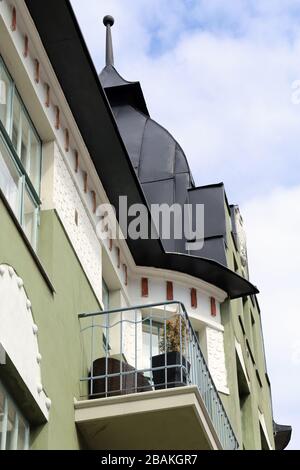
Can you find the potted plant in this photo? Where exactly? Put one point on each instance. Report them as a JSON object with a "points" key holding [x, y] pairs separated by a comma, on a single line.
{"points": [[172, 347]]}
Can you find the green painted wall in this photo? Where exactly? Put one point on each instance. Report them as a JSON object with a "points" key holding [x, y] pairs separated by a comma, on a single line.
{"points": [[57, 318], [245, 416], [60, 341]]}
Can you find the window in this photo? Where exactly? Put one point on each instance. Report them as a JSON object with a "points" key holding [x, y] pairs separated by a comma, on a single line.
{"points": [[26, 142], [152, 334], [14, 430], [105, 319], [10, 178], [20, 157], [105, 295], [244, 402], [5, 97]]}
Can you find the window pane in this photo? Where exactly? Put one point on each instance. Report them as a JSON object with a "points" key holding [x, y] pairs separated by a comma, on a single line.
{"points": [[24, 152], [9, 179], [147, 333], [21, 435], [105, 295], [21, 133], [17, 126], [26, 143], [28, 147], [5, 97], [105, 318], [29, 218], [1, 416], [12, 430]]}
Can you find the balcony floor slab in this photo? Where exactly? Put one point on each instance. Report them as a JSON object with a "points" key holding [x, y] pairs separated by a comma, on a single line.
{"points": [[171, 419]]}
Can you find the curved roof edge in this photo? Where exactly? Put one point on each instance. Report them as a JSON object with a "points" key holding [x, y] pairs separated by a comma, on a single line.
{"points": [[282, 436], [74, 68], [120, 90], [110, 77], [178, 146]]}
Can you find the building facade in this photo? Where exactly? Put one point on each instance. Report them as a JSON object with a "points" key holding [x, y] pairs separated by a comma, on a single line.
{"points": [[113, 343]]}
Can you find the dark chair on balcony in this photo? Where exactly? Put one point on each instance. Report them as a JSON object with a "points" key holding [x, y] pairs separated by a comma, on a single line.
{"points": [[112, 382]]}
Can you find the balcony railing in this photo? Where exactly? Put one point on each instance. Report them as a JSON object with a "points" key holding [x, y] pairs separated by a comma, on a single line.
{"points": [[145, 348]]}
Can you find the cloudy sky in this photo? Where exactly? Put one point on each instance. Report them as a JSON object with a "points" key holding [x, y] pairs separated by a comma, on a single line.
{"points": [[219, 75]]}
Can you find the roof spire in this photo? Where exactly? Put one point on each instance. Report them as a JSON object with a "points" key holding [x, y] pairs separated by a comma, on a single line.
{"points": [[108, 21]]}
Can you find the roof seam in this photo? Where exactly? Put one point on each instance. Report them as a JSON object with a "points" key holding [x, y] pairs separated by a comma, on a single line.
{"points": [[141, 148]]}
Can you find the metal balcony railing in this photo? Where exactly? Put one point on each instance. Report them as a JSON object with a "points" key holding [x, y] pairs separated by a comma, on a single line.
{"points": [[145, 348]]}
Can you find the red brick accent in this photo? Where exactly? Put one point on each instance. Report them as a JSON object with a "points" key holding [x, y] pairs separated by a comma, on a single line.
{"points": [[213, 307], [85, 179], [67, 140], [37, 71], [170, 293], [94, 201], [125, 274], [26, 46], [76, 161], [57, 117], [47, 101], [119, 257], [194, 299], [14, 19], [145, 287]]}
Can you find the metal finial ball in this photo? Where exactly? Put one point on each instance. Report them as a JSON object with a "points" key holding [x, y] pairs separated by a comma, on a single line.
{"points": [[108, 20]]}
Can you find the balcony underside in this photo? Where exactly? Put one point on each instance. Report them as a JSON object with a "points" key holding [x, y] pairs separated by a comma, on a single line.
{"points": [[170, 419]]}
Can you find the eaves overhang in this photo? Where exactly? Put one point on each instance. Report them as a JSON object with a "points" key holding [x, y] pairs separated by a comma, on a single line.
{"points": [[118, 90], [65, 46], [282, 435]]}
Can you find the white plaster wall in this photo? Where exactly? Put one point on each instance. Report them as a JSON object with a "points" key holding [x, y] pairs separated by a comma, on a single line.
{"points": [[22, 69], [210, 328], [18, 334], [182, 293], [216, 358], [83, 237]]}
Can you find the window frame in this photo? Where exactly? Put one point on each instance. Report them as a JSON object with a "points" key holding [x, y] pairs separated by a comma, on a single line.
{"points": [[18, 416], [25, 186], [106, 330], [150, 325], [15, 93]]}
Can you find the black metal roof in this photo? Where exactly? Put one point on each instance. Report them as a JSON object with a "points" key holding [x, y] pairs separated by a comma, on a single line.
{"points": [[160, 163], [71, 61], [282, 435], [120, 91]]}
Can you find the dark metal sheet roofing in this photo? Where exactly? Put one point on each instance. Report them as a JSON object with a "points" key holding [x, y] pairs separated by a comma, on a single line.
{"points": [[154, 152], [282, 436], [165, 176], [121, 91], [70, 59]]}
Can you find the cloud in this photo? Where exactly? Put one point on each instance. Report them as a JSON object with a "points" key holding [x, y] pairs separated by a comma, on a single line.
{"points": [[221, 82], [273, 227], [219, 76]]}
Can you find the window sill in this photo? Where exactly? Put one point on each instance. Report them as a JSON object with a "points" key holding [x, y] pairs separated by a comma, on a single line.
{"points": [[224, 390]]}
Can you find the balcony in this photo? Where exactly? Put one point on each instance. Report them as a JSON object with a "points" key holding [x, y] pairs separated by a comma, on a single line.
{"points": [[145, 383]]}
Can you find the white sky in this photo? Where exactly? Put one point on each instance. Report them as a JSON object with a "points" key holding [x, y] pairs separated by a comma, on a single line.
{"points": [[218, 75]]}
